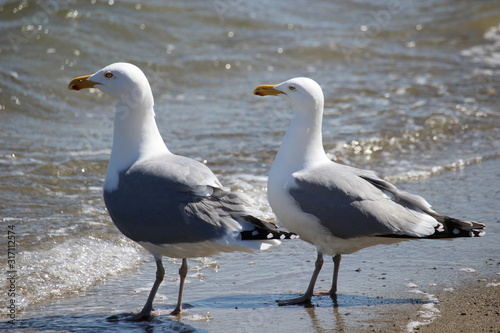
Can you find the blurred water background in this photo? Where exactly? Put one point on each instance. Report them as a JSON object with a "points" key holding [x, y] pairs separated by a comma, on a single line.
{"points": [[412, 91]]}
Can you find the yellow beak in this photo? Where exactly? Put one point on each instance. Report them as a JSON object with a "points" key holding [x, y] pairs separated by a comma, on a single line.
{"points": [[81, 82], [267, 89]]}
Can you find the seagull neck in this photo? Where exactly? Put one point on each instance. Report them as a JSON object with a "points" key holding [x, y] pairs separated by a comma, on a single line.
{"points": [[303, 141], [135, 136]]}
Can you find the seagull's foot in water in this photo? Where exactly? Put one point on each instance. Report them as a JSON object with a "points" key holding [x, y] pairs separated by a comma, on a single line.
{"points": [[176, 311], [142, 316], [304, 299]]}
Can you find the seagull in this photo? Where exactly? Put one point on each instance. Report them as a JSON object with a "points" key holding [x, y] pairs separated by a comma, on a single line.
{"points": [[338, 208], [171, 205]]}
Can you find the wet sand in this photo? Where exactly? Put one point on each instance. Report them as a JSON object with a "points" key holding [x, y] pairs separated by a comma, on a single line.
{"points": [[470, 308]]}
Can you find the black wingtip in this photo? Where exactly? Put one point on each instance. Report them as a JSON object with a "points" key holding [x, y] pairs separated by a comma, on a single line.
{"points": [[450, 227], [263, 234], [264, 230], [453, 228]]}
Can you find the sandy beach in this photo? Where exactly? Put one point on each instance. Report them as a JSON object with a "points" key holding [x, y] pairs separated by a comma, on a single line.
{"points": [[469, 308]]}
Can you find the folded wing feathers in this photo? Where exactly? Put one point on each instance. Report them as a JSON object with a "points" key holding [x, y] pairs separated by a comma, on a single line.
{"points": [[448, 227], [233, 207]]}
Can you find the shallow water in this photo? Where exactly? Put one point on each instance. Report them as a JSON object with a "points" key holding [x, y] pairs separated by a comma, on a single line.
{"points": [[412, 91]]}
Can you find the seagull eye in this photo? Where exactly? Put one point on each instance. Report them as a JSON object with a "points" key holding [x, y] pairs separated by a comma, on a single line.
{"points": [[292, 88], [108, 75]]}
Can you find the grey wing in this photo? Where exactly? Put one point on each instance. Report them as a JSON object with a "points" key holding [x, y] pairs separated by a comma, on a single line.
{"points": [[173, 200], [447, 227], [410, 200], [352, 203]]}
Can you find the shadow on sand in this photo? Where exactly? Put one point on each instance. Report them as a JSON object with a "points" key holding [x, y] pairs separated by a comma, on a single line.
{"points": [[318, 300]]}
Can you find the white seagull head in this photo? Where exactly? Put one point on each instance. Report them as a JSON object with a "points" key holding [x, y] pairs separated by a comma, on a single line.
{"points": [[123, 81], [303, 93]]}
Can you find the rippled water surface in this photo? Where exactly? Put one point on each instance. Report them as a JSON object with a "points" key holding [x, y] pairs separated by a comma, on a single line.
{"points": [[412, 90]]}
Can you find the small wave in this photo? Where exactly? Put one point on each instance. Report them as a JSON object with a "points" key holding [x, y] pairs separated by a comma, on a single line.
{"points": [[105, 152], [70, 267], [488, 53], [428, 311], [433, 171]]}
